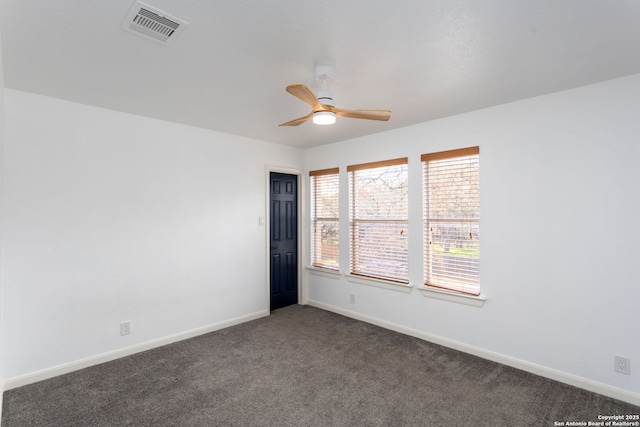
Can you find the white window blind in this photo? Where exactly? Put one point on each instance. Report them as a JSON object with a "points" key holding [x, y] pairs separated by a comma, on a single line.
{"points": [[325, 248], [378, 217], [452, 220]]}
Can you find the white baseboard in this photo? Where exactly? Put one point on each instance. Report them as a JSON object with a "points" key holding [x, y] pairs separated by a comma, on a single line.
{"points": [[554, 374], [65, 368]]}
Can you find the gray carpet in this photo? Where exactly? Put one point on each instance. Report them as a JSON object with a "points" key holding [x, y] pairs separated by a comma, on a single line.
{"points": [[302, 366]]}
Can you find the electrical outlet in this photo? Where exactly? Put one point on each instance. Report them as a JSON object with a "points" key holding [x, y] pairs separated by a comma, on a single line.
{"points": [[352, 298], [622, 365], [125, 328]]}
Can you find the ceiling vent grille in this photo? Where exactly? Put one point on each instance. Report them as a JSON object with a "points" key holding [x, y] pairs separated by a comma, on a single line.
{"points": [[152, 23]]}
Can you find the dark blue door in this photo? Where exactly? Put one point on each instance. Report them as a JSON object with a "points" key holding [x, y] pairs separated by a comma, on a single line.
{"points": [[284, 239]]}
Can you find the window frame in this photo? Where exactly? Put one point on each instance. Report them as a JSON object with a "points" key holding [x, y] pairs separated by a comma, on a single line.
{"points": [[458, 287], [355, 255], [314, 219]]}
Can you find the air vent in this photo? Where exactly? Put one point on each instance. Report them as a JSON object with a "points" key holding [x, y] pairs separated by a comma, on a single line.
{"points": [[152, 23]]}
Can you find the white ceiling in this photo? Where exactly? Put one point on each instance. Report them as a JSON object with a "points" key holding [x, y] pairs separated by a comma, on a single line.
{"points": [[422, 59]]}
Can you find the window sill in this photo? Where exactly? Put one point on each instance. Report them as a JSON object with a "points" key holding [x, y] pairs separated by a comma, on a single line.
{"points": [[378, 283], [441, 294], [331, 274]]}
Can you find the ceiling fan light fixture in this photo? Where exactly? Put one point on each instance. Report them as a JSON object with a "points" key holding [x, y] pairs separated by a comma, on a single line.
{"points": [[324, 117]]}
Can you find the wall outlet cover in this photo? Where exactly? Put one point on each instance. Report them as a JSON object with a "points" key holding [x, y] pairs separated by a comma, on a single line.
{"points": [[125, 328], [622, 365]]}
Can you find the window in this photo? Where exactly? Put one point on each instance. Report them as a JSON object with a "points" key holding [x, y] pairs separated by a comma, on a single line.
{"points": [[452, 220], [378, 220], [325, 248]]}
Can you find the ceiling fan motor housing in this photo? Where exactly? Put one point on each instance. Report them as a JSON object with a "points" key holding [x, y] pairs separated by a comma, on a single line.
{"points": [[326, 98], [325, 117]]}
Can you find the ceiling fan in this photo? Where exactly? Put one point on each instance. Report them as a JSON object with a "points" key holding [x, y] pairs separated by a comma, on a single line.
{"points": [[323, 109]]}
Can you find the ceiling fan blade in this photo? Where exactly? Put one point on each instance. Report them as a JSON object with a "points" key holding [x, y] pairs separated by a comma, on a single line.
{"points": [[382, 115], [298, 121], [304, 93]]}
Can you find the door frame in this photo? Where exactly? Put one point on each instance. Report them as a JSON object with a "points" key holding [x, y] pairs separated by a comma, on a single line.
{"points": [[302, 238]]}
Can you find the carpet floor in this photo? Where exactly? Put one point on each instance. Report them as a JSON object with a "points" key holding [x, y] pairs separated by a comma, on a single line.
{"points": [[303, 366]]}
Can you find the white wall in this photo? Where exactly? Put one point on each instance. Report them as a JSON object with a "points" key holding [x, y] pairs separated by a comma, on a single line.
{"points": [[1, 212], [560, 227], [112, 217]]}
